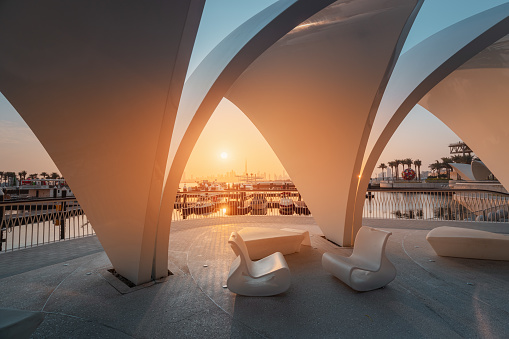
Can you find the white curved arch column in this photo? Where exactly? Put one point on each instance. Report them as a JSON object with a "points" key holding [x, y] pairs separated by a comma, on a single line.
{"points": [[418, 71], [99, 83], [211, 80], [473, 101], [313, 96]]}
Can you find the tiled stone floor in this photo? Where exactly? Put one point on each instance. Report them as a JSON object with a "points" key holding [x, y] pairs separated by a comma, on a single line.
{"points": [[432, 297]]}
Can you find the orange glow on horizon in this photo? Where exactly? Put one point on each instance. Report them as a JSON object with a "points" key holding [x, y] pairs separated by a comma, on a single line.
{"points": [[230, 131]]}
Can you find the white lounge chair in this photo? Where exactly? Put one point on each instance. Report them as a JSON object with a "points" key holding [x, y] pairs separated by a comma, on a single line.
{"points": [[367, 268], [265, 277]]}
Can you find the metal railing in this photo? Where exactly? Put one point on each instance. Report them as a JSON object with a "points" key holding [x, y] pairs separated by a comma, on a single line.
{"points": [[28, 223], [426, 204], [433, 204], [214, 204]]}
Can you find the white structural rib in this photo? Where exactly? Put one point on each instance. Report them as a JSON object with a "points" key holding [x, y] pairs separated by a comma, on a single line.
{"points": [[99, 84], [312, 95], [209, 83], [427, 64], [473, 102]]}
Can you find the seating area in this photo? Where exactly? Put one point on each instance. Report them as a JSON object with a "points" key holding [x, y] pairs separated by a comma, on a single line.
{"points": [[468, 243], [368, 267]]}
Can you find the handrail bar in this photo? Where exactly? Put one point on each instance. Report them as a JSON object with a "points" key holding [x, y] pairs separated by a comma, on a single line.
{"points": [[36, 201], [441, 190]]}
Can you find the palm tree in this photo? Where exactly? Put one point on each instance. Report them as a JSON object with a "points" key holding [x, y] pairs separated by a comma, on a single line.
{"points": [[55, 175], [22, 175], [408, 162], [432, 167], [397, 162], [462, 159], [383, 167], [445, 164], [435, 167], [44, 175], [33, 176], [418, 164]]}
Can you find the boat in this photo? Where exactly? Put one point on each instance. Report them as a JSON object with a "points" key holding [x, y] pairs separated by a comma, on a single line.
{"points": [[238, 204], [204, 206], [220, 200], [216, 187], [238, 207], [285, 204], [300, 207], [187, 209], [258, 204]]}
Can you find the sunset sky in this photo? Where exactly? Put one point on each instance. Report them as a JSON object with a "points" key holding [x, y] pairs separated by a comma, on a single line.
{"points": [[229, 131]]}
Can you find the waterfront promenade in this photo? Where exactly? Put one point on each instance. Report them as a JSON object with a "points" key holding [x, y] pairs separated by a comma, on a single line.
{"points": [[430, 297]]}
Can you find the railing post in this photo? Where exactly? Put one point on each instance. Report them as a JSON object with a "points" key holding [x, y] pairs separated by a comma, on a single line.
{"points": [[184, 206], [2, 210], [62, 221]]}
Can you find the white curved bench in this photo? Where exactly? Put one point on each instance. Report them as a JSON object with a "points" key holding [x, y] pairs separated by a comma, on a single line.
{"points": [[265, 277], [468, 243], [263, 241], [367, 268]]}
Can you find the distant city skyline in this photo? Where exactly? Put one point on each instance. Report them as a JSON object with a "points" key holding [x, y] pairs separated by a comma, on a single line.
{"points": [[232, 177]]}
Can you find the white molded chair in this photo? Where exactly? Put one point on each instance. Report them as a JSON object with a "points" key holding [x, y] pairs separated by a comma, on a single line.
{"points": [[265, 277], [367, 268]]}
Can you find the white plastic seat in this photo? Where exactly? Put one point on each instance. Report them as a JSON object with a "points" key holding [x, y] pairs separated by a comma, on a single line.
{"points": [[367, 268], [265, 277]]}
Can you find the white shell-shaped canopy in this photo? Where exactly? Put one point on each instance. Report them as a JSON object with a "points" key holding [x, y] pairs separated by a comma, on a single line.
{"points": [[313, 94], [423, 69], [99, 85]]}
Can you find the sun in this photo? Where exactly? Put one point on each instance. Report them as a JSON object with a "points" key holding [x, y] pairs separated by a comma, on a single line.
{"points": [[224, 155]]}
